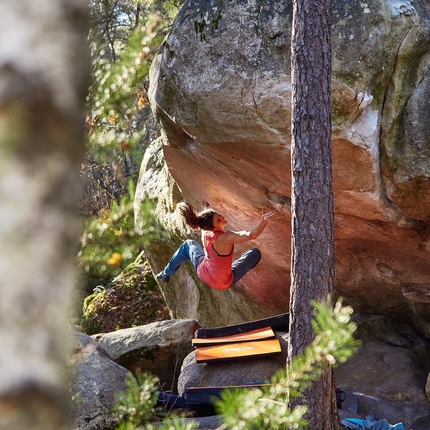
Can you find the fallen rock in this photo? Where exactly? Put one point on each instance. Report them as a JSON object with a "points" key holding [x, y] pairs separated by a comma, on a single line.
{"points": [[96, 380], [158, 348], [389, 372]]}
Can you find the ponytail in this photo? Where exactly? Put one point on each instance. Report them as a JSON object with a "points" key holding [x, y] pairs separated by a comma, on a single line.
{"points": [[202, 220]]}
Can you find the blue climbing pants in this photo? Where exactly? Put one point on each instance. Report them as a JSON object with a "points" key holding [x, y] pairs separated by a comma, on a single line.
{"points": [[189, 250]]}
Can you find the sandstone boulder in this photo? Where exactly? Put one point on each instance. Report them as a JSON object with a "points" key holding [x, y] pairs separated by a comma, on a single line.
{"points": [[221, 89], [389, 372]]}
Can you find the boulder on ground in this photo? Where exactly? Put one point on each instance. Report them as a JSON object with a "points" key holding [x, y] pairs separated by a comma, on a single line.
{"points": [[96, 381], [158, 348], [231, 373], [389, 372]]}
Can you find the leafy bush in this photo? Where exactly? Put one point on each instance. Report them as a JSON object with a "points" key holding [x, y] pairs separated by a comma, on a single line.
{"points": [[137, 404], [110, 243], [124, 38]]}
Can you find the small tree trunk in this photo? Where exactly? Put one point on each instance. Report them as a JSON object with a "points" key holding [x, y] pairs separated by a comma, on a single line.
{"points": [[312, 264], [43, 83]]}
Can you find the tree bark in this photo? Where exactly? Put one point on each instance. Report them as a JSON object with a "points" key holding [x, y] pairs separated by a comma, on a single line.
{"points": [[43, 83], [312, 261]]}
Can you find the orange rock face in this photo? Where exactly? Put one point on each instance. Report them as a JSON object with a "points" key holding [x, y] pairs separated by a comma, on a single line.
{"points": [[223, 105]]}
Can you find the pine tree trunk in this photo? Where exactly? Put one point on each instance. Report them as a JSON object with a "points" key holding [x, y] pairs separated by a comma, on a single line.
{"points": [[312, 264], [43, 83]]}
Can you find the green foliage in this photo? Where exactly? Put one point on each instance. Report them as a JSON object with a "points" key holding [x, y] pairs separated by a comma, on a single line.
{"points": [[124, 37], [172, 7], [268, 408], [118, 94], [99, 293], [259, 409], [137, 404], [110, 242], [174, 423], [334, 343]]}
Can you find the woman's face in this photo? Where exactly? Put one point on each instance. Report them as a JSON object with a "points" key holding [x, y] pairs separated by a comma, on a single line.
{"points": [[218, 222]]}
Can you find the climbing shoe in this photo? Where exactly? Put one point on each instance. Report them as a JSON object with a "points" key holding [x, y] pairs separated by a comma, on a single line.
{"points": [[162, 277]]}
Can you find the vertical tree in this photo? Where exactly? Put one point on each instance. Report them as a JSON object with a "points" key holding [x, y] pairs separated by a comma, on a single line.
{"points": [[43, 83], [312, 262]]}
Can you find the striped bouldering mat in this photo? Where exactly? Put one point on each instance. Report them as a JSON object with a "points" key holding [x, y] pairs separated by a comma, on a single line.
{"points": [[258, 334], [234, 351], [276, 323]]}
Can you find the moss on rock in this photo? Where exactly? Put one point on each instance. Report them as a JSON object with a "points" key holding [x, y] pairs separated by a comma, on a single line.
{"points": [[130, 300]]}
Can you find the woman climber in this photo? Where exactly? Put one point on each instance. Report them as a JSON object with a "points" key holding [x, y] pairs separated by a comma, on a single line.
{"points": [[215, 265]]}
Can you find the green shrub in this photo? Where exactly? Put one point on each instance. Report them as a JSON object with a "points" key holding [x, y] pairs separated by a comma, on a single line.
{"points": [[110, 242]]}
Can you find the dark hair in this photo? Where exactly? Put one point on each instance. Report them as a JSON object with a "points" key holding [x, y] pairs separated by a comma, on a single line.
{"points": [[202, 220]]}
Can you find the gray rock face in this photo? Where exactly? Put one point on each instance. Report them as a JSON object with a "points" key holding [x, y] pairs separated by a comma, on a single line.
{"points": [[158, 348], [97, 379], [226, 374], [389, 372], [221, 90]]}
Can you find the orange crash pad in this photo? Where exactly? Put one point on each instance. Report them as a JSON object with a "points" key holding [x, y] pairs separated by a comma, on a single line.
{"points": [[259, 334], [232, 351]]}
